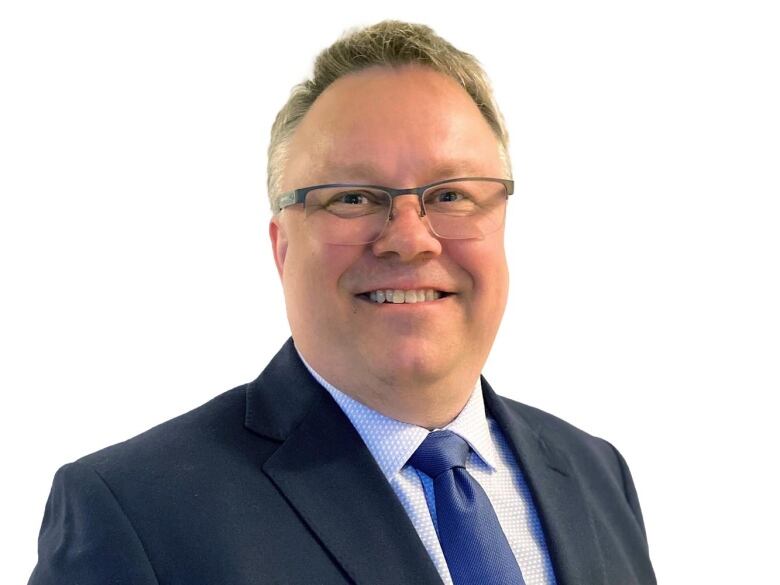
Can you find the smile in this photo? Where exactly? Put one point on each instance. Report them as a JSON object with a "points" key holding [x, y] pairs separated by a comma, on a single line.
{"points": [[399, 296]]}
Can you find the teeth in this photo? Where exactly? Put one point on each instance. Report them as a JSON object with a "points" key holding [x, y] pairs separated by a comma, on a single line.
{"points": [[398, 296]]}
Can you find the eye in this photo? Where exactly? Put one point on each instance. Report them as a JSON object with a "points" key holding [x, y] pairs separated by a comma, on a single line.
{"points": [[350, 198], [449, 200], [447, 196], [354, 202], [354, 198]]}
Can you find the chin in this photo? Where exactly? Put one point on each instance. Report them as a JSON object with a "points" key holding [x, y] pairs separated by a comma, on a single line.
{"points": [[412, 361]]}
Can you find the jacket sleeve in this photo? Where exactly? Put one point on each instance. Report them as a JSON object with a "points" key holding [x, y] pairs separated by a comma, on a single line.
{"points": [[86, 538]]}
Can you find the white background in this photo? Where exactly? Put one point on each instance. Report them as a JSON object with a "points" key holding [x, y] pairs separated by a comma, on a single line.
{"points": [[137, 279]]}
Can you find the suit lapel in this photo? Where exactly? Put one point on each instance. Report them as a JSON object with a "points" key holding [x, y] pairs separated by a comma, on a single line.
{"points": [[568, 526], [327, 474]]}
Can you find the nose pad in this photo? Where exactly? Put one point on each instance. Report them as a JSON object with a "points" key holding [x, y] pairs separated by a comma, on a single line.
{"points": [[394, 205], [397, 212], [402, 234]]}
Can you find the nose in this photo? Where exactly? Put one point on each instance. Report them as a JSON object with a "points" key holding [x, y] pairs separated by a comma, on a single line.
{"points": [[407, 235]]}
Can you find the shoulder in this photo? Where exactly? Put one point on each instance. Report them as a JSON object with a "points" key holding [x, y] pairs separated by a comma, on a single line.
{"points": [[182, 443], [557, 431], [103, 508], [591, 456], [597, 464]]}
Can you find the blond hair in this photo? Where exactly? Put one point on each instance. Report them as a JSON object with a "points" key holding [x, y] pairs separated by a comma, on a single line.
{"points": [[390, 43]]}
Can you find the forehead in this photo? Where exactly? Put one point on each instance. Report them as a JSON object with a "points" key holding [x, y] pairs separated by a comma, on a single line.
{"points": [[399, 126]]}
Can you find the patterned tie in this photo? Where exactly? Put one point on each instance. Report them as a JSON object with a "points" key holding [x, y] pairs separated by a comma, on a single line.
{"points": [[474, 545]]}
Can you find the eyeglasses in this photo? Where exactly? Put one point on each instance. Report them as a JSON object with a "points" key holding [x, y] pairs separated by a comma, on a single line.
{"points": [[458, 209]]}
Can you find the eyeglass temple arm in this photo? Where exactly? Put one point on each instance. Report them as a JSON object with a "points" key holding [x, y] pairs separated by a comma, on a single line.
{"points": [[289, 198]]}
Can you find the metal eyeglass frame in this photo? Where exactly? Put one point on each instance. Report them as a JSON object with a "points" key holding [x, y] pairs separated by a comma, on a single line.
{"points": [[299, 195]]}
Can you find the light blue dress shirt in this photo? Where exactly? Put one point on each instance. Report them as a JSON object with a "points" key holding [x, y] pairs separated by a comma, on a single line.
{"points": [[491, 463]]}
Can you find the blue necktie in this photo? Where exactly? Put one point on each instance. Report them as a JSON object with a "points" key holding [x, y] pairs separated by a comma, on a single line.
{"points": [[474, 545]]}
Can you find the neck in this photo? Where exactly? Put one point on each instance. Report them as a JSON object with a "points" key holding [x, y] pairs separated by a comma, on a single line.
{"points": [[427, 403]]}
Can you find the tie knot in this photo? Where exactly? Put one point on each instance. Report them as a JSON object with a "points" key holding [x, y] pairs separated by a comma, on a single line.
{"points": [[440, 452]]}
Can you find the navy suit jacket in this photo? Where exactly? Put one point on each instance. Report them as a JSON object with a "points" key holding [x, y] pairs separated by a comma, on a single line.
{"points": [[269, 483]]}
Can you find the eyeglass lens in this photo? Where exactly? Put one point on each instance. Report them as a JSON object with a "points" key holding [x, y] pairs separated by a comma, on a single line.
{"points": [[358, 215]]}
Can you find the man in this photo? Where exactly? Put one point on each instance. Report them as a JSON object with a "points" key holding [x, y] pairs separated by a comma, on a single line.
{"points": [[369, 450]]}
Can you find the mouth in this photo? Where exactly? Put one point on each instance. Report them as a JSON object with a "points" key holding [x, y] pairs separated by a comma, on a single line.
{"points": [[397, 296]]}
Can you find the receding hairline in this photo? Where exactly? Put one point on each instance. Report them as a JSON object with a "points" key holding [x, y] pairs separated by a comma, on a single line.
{"points": [[389, 44], [365, 171]]}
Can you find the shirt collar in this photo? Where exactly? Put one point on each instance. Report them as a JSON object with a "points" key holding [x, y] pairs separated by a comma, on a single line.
{"points": [[392, 442], [472, 425]]}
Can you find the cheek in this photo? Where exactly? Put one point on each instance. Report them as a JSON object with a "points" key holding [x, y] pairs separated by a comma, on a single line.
{"points": [[313, 272], [485, 263]]}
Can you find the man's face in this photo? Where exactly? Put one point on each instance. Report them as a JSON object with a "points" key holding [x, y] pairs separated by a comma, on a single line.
{"points": [[402, 127]]}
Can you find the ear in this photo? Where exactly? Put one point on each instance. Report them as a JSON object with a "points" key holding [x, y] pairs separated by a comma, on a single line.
{"points": [[278, 243]]}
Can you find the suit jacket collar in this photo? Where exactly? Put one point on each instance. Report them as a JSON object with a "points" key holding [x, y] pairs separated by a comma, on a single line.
{"points": [[281, 397], [568, 526], [324, 470]]}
